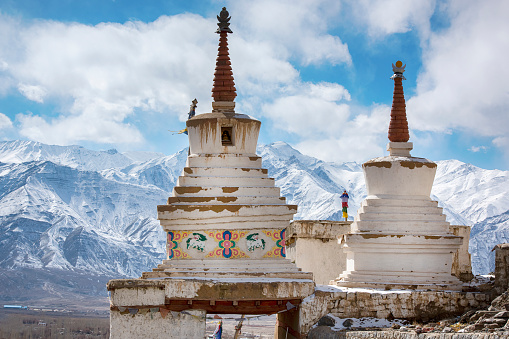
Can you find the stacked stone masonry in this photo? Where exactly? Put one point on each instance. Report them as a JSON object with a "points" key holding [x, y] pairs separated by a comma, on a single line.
{"points": [[501, 267], [224, 86], [411, 305], [398, 128]]}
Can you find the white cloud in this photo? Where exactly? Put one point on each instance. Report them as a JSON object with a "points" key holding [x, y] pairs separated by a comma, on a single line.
{"points": [[77, 128], [5, 122], [310, 109], [358, 139], [463, 85], [31, 92], [105, 75], [393, 16], [327, 124], [102, 75], [502, 142], [257, 69], [476, 149], [294, 30]]}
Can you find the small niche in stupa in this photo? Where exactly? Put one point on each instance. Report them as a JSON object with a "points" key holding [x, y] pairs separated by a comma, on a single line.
{"points": [[227, 136]]}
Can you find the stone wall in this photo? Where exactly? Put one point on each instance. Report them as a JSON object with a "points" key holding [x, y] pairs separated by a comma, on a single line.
{"points": [[501, 267], [401, 304]]}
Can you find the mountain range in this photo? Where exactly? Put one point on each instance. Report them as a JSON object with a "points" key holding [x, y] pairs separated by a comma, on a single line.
{"points": [[79, 212]]}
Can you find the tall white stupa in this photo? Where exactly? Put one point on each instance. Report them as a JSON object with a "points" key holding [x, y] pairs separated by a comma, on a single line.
{"points": [[226, 217], [400, 237]]}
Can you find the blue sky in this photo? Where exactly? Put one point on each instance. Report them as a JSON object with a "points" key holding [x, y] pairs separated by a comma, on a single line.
{"points": [[121, 74]]}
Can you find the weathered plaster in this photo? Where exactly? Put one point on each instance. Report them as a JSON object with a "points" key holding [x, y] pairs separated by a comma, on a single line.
{"points": [[153, 325], [313, 246], [461, 263]]}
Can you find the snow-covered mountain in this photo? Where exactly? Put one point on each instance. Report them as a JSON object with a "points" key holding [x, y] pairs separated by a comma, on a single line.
{"points": [[474, 193], [73, 209], [20, 151], [314, 185], [56, 216], [484, 236]]}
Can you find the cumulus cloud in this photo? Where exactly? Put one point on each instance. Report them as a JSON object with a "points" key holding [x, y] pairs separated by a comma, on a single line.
{"points": [[258, 71], [5, 122], [501, 142], [102, 75], [31, 92], [78, 127], [358, 139], [463, 85], [383, 18], [295, 31], [105, 75], [310, 109], [327, 124]]}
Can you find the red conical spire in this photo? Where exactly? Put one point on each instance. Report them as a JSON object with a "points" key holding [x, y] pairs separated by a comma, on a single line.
{"points": [[398, 127], [224, 86]]}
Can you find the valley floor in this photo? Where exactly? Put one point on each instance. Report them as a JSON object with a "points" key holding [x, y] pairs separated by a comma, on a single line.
{"points": [[49, 324]]}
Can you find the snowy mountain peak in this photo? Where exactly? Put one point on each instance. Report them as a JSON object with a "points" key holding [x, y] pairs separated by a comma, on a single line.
{"points": [[284, 152], [19, 151]]}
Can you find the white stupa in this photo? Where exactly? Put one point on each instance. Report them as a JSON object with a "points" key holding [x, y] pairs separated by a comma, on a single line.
{"points": [[400, 238], [226, 217]]}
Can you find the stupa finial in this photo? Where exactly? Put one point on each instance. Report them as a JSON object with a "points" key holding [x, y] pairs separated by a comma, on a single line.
{"points": [[398, 70], [223, 90], [398, 127], [224, 21]]}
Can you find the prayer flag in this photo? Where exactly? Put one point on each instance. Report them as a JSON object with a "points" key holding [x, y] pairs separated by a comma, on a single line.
{"points": [[344, 204]]}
